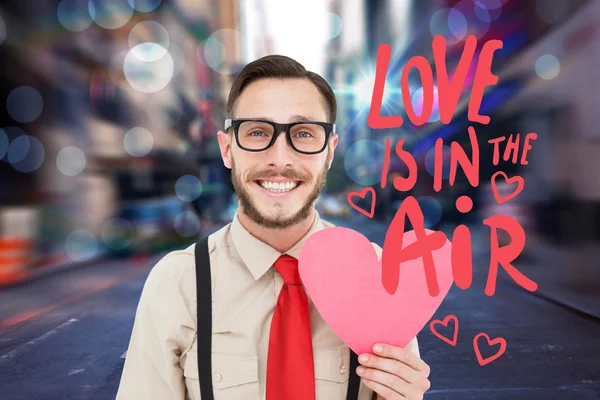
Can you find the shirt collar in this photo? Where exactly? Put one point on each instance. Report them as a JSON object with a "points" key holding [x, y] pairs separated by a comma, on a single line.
{"points": [[259, 256]]}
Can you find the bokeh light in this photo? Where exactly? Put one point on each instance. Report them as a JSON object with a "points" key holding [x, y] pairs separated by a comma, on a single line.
{"points": [[477, 25], [24, 104], [81, 245], [71, 161], [430, 161], [188, 188], [11, 133], [547, 67], [117, 233], [144, 5], [148, 76], [335, 25], [187, 224], [364, 161], [363, 90], [138, 142], [432, 210], [110, 14], [417, 102], [149, 41], [450, 23], [214, 50], [26, 153], [18, 148], [3, 143], [457, 24], [74, 15]]}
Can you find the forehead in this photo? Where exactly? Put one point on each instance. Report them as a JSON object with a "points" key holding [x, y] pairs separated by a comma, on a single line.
{"points": [[281, 99]]}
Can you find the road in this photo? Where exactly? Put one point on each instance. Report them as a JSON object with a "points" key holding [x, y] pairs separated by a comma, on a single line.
{"points": [[64, 337]]}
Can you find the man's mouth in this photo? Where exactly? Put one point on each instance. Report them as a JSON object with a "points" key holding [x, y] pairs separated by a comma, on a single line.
{"points": [[279, 186]]}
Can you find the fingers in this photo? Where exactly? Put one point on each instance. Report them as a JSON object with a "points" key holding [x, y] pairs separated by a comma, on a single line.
{"points": [[394, 373], [387, 384], [391, 366], [383, 391], [402, 355]]}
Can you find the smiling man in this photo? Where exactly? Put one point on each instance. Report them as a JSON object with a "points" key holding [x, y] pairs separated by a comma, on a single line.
{"points": [[267, 339]]}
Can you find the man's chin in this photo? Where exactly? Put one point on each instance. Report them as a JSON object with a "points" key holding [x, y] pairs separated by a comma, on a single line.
{"points": [[275, 219]]}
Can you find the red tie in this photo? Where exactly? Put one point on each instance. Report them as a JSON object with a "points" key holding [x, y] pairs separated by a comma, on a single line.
{"points": [[290, 365]]}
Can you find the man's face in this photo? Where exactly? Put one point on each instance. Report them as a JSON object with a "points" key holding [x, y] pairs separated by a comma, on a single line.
{"points": [[299, 177]]}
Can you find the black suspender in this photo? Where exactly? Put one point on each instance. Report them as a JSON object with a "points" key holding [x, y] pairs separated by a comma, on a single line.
{"points": [[204, 318], [354, 381], [204, 328]]}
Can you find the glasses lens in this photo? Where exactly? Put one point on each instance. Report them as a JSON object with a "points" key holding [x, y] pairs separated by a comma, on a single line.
{"points": [[308, 137], [255, 135]]}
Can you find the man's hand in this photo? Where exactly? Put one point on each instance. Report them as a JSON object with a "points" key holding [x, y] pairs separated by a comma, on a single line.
{"points": [[394, 373]]}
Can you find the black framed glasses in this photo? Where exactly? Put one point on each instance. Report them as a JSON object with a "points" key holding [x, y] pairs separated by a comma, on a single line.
{"points": [[306, 137]]}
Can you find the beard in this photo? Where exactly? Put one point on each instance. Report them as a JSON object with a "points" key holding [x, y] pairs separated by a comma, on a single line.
{"points": [[278, 221]]}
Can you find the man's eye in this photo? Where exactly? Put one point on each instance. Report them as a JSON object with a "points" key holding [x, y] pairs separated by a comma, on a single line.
{"points": [[256, 133], [304, 134]]}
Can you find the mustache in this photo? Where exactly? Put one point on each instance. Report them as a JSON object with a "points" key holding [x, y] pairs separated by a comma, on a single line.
{"points": [[288, 174]]}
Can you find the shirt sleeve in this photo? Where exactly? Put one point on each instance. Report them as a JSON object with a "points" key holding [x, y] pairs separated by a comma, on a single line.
{"points": [[152, 367]]}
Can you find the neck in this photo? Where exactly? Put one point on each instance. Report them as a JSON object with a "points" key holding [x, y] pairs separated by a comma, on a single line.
{"points": [[280, 239]]}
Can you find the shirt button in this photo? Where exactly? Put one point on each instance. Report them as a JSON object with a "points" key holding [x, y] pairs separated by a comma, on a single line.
{"points": [[343, 369], [217, 377]]}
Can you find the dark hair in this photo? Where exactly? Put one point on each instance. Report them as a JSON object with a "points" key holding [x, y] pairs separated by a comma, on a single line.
{"points": [[277, 66]]}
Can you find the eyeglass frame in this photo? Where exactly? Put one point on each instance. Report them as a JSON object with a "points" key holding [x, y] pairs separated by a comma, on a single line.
{"points": [[278, 128]]}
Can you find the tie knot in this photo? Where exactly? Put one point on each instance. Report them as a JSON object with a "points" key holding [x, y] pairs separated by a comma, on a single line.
{"points": [[287, 266]]}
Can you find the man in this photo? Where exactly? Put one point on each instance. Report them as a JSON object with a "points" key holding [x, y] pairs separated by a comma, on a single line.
{"points": [[268, 340]]}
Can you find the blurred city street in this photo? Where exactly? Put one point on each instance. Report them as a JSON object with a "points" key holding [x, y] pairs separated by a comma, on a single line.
{"points": [[64, 337], [109, 113]]}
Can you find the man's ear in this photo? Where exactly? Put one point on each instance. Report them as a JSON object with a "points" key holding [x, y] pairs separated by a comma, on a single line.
{"points": [[333, 142], [224, 140]]}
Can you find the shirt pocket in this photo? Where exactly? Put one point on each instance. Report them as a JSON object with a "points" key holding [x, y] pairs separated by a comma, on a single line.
{"points": [[233, 376], [332, 372]]}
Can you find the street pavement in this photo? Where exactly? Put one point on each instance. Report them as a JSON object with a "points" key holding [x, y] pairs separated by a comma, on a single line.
{"points": [[64, 336]]}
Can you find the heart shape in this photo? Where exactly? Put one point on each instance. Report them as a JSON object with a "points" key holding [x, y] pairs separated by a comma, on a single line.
{"points": [[520, 184], [362, 196], [445, 323], [488, 360], [342, 274]]}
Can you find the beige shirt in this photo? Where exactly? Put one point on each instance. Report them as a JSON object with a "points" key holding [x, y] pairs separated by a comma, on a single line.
{"points": [[161, 359]]}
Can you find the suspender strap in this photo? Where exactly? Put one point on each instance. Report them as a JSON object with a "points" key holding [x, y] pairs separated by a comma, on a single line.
{"points": [[204, 318], [354, 381], [204, 328]]}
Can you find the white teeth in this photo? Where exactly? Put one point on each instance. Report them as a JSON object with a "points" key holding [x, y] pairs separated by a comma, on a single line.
{"points": [[278, 187]]}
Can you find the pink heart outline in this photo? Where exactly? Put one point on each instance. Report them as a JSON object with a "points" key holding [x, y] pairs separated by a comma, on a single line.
{"points": [[362, 194], [520, 184], [483, 361], [445, 324]]}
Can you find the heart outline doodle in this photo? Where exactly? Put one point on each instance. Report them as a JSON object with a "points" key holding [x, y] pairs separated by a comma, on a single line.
{"points": [[483, 361], [520, 185], [445, 324], [362, 194]]}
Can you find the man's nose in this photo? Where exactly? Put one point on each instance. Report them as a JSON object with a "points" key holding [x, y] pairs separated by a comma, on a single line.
{"points": [[280, 153]]}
